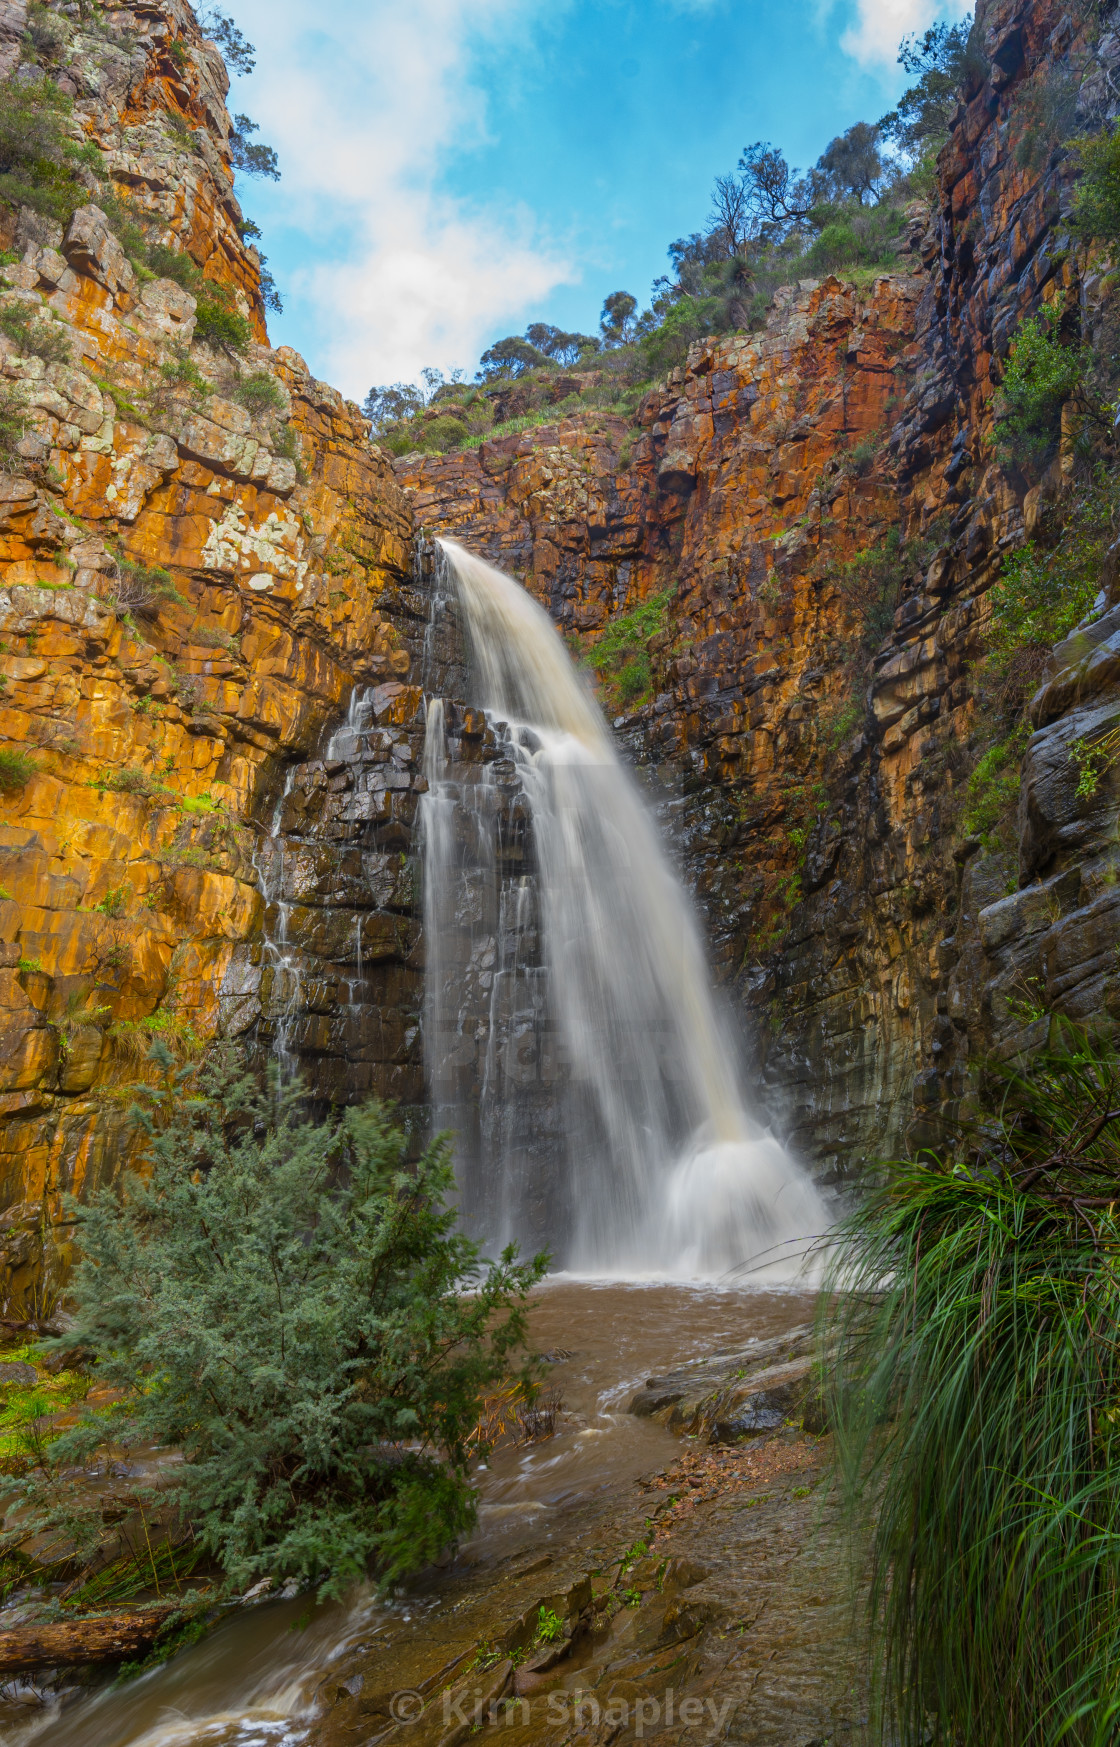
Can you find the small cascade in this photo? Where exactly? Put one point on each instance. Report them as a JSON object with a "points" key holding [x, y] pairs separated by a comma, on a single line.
{"points": [[571, 1035]]}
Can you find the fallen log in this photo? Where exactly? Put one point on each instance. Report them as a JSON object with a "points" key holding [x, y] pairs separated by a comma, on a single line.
{"points": [[99, 1638]]}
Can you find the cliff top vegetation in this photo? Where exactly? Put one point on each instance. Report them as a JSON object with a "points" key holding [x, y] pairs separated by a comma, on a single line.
{"points": [[769, 225]]}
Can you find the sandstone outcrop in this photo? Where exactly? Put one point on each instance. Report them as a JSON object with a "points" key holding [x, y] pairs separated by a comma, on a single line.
{"points": [[193, 580]]}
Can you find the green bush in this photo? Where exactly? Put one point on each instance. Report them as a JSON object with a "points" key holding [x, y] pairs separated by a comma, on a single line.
{"points": [[1040, 596], [290, 1304], [260, 393], [35, 332], [1041, 374], [974, 1394], [13, 425], [621, 655], [437, 436], [221, 328], [1096, 210], [16, 769], [993, 787], [36, 155]]}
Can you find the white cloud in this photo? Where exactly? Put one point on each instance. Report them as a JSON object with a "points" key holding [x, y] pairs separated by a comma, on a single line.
{"points": [[367, 101], [880, 25]]}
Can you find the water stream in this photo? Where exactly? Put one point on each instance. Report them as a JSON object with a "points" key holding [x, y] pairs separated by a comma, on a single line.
{"points": [[572, 1037], [253, 1681]]}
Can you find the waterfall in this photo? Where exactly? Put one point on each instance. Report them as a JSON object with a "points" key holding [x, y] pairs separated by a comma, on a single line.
{"points": [[572, 1037]]}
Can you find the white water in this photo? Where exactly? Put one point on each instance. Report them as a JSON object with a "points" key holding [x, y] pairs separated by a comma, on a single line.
{"points": [[665, 1172]]}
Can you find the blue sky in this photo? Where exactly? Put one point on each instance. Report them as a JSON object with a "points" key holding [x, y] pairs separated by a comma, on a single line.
{"points": [[453, 169]]}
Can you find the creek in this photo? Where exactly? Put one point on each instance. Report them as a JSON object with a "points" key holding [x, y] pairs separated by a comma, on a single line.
{"points": [[254, 1681]]}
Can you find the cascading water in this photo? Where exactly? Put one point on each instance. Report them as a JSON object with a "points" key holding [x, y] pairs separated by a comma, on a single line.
{"points": [[571, 1035]]}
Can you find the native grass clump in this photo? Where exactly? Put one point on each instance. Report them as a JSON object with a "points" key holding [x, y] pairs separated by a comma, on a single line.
{"points": [[975, 1394], [290, 1304]]}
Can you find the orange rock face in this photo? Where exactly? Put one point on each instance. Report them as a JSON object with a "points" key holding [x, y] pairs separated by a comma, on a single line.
{"points": [[191, 587]]}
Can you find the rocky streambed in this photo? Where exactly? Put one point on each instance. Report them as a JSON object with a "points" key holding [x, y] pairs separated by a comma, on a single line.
{"points": [[668, 1563]]}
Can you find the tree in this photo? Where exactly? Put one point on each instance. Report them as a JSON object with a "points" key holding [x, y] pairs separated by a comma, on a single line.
{"points": [[250, 159], [512, 356], [777, 198], [290, 1304], [940, 60], [730, 216], [617, 319], [395, 401], [555, 343], [852, 164], [239, 55]]}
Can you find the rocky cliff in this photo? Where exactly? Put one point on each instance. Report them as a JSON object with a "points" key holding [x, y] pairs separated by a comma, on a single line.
{"points": [[773, 503], [194, 577], [210, 643]]}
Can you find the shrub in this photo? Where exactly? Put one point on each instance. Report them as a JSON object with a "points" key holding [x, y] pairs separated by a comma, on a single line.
{"points": [[993, 787], [621, 656], [47, 33], [1040, 596], [35, 333], [974, 1397], [140, 588], [221, 328], [35, 153], [440, 434], [16, 769], [1041, 374], [1096, 210], [260, 393], [13, 426], [289, 1302]]}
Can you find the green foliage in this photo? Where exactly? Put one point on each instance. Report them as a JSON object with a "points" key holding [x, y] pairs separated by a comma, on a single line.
{"points": [[16, 769], [133, 1038], [941, 61], [974, 1397], [221, 328], [1044, 591], [993, 786], [439, 435], [36, 155], [260, 393], [181, 372], [35, 332], [1096, 211], [1041, 374], [1094, 758], [249, 157], [289, 1303], [13, 425], [550, 1627], [872, 584], [621, 655], [23, 1405]]}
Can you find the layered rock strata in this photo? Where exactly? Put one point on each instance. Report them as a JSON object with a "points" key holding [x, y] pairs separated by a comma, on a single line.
{"points": [[773, 494], [194, 578]]}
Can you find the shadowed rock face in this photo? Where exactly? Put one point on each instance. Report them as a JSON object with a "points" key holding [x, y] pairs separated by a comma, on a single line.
{"points": [[871, 949], [807, 760]]}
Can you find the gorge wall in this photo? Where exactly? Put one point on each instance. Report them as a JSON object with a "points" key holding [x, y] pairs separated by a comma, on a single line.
{"points": [[197, 581], [815, 763]]}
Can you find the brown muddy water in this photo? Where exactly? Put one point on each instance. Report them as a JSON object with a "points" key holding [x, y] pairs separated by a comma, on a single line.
{"points": [[256, 1680]]}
